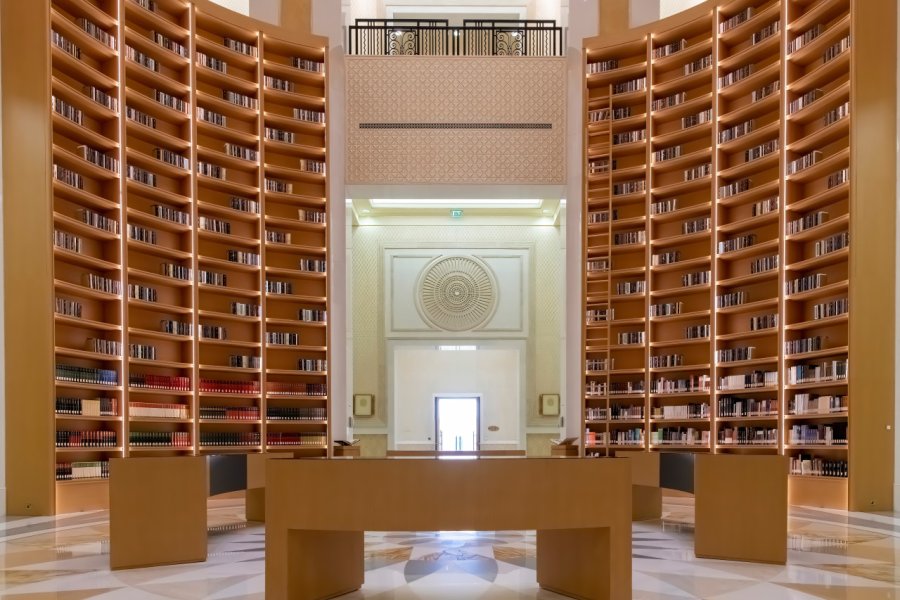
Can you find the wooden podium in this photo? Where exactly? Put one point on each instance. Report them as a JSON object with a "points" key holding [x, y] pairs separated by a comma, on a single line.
{"points": [[157, 513], [741, 507], [581, 509]]}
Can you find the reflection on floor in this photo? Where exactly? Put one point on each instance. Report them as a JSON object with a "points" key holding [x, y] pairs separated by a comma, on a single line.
{"points": [[833, 555]]}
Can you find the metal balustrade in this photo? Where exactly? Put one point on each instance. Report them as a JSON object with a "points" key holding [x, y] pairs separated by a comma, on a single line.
{"points": [[436, 37]]}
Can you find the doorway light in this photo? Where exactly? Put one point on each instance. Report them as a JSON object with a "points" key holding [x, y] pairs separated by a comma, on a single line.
{"points": [[444, 203], [457, 348]]}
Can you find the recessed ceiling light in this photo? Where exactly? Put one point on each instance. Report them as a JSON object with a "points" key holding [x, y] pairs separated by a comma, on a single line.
{"points": [[547, 211], [444, 203], [365, 211]]}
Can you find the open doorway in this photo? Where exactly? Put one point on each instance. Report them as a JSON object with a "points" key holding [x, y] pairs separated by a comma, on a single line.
{"points": [[457, 423]]}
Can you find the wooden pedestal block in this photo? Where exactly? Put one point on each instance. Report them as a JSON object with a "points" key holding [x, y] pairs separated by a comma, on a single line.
{"points": [[563, 450], [255, 504], [583, 539], [741, 507], [347, 451], [157, 513], [646, 495]]}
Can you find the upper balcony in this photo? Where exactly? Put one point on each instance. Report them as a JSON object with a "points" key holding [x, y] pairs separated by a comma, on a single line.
{"points": [[436, 37]]}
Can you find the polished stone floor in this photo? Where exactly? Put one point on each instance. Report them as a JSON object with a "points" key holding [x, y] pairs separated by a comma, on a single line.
{"points": [[832, 555]]}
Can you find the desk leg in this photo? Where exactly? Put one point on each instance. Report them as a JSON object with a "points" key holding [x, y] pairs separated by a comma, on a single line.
{"points": [[323, 564], [576, 562], [646, 502], [256, 505]]}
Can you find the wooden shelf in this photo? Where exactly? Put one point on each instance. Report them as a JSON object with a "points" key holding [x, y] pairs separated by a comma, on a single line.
{"points": [[684, 56], [151, 20], [87, 354], [767, 246], [84, 260], [821, 75], [231, 343], [749, 279], [745, 419], [73, 385], [683, 82], [817, 109], [751, 53], [160, 335], [748, 223], [82, 449], [90, 11], [825, 383], [746, 335], [817, 416], [804, 356], [749, 306], [684, 135], [814, 324], [825, 290], [85, 323], [167, 364], [745, 169], [748, 27], [754, 138], [84, 291]]}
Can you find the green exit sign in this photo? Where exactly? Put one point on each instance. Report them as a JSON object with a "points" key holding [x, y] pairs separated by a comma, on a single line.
{"points": [[456, 213]]}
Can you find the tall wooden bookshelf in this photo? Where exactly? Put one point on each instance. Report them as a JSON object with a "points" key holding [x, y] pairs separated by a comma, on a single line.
{"points": [[736, 278], [171, 205]]}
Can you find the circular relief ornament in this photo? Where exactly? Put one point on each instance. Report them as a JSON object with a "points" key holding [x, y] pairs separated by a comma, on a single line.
{"points": [[456, 293]]}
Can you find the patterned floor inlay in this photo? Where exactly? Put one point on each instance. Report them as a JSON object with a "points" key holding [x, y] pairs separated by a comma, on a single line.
{"points": [[832, 556]]}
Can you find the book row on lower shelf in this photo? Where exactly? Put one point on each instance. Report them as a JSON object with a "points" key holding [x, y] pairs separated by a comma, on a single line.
{"points": [[802, 404], [110, 377], [108, 407], [91, 469], [106, 439], [753, 436]]}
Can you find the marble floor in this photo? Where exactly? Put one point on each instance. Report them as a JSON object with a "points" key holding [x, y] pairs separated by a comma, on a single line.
{"points": [[832, 555]]}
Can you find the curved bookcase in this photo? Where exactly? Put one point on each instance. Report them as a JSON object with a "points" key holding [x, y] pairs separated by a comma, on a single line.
{"points": [[175, 213], [731, 153]]}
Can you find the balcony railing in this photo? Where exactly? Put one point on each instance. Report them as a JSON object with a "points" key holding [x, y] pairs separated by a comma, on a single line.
{"points": [[436, 37]]}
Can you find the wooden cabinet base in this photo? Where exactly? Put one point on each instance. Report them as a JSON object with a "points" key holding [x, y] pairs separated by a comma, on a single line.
{"points": [[820, 492], [157, 513], [79, 496], [741, 507]]}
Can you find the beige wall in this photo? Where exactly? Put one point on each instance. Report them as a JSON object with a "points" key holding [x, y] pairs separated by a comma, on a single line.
{"points": [[420, 372], [543, 344], [413, 89]]}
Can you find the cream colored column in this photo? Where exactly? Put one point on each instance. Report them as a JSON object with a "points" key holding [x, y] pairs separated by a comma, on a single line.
{"points": [[327, 20], [584, 18]]}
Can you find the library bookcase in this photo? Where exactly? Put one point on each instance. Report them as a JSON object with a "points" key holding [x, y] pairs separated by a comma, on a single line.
{"points": [[165, 202], [732, 153]]}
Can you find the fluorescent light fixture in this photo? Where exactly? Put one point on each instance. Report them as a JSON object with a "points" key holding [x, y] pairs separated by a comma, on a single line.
{"points": [[457, 348], [461, 202]]}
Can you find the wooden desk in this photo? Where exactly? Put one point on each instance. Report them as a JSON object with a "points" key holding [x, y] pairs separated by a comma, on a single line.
{"points": [[317, 511]]}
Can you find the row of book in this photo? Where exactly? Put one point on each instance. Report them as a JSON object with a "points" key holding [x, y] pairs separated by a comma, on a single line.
{"points": [[680, 436], [87, 407], [90, 469], [230, 438], [833, 434], [86, 439]]}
